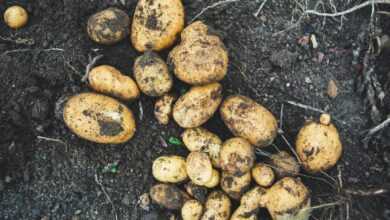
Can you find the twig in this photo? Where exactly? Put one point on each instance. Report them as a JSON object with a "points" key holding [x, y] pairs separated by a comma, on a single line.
{"points": [[256, 14], [211, 7], [163, 143], [300, 105], [28, 49], [24, 41], [51, 139], [379, 127], [91, 64], [107, 196], [369, 192], [281, 132], [141, 111]]}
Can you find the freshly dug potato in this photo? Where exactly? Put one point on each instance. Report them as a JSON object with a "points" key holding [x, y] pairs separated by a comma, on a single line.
{"points": [[109, 80], [197, 105], [199, 168], [237, 156], [99, 118], [192, 210], [156, 24], [214, 181], [250, 202], [167, 196], [250, 120], [170, 169], [108, 26], [318, 145], [284, 164], [235, 185], [15, 17], [200, 139], [196, 191], [152, 75], [263, 175], [217, 207], [201, 57], [163, 108]]}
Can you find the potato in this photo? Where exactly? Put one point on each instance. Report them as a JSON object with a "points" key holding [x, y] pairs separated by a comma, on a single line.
{"points": [[99, 118], [170, 169], [152, 75], [197, 105], [235, 185], [263, 175], [192, 210], [217, 207], [199, 168], [318, 145], [201, 57], [196, 191], [15, 17], [284, 164], [109, 80], [214, 181], [163, 108], [250, 202], [200, 139], [237, 156], [108, 26], [167, 196], [156, 24], [250, 120]]}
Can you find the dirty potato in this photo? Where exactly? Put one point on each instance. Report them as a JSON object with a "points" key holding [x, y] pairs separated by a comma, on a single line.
{"points": [[15, 17], [99, 118], [235, 185], [217, 207], [152, 75], [196, 191], [201, 57], [214, 181], [167, 196], [197, 105], [192, 210], [237, 156], [250, 203], [284, 164], [163, 108], [109, 80], [263, 175], [199, 168], [108, 26], [156, 24], [250, 120], [170, 169]]}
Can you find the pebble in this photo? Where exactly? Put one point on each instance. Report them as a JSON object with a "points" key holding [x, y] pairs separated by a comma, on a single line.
{"points": [[332, 89], [308, 80], [144, 201], [8, 179]]}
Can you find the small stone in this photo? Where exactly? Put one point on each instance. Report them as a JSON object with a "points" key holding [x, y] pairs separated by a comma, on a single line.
{"points": [[314, 41], [308, 80], [8, 179], [45, 218], [77, 212], [332, 89], [144, 201]]}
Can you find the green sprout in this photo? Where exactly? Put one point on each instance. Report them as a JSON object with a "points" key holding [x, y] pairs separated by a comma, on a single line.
{"points": [[111, 168], [175, 141]]}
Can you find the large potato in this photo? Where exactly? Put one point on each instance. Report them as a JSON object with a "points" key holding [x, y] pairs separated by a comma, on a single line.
{"points": [[15, 17], [170, 169], [109, 80], [284, 164], [217, 207], [235, 185], [99, 118], [197, 105], [108, 26], [201, 57], [237, 156], [163, 108], [156, 24], [250, 120], [152, 75], [192, 210], [263, 175], [199, 168], [167, 196]]}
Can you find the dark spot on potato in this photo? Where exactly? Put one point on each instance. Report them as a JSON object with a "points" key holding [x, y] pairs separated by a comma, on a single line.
{"points": [[148, 59], [308, 151], [152, 22], [109, 128]]}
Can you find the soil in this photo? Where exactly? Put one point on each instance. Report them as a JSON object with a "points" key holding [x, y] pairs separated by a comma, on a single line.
{"points": [[46, 172]]}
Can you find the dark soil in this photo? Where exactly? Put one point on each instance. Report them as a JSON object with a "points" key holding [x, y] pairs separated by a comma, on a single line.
{"points": [[45, 179]]}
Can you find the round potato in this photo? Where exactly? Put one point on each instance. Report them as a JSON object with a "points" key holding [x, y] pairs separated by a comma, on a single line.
{"points": [[167, 196], [163, 108], [250, 202], [234, 185], [108, 26], [170, 169], [109, 80], [318, 146], [15, 17], [99, 118], [197, 105], [250, 120], [152, 75], [199, 168], [192, 210], [284, 164], [196, 191], [237, 156], [217, 207], [156, 24], [263, 175], [201, 57], [214, 181]]}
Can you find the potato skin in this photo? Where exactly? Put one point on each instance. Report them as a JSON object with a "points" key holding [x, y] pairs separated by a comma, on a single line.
{"points": [[156, 24], [250, 202], [192, 210], [197, 105], [250, 120], [237, 156], [99, 118], [170, 169], [163, 108], [167, 196], [109, 80], [15, 17], [217, 207], [152, 75], [196, 191], [214, 181], [108, 26], [235, 185], [199, 168], [284, 164], [263, 175], [201, 57]]}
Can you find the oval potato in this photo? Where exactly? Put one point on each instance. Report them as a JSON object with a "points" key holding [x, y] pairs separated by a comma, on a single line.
{"points": [[199, 168], [163, 108], [99, 118], [235, 185], [217, 207], [15, 17], [192, 210], [170, 169], [284, 164], [263, 175], [167, 196], [237, 156]]}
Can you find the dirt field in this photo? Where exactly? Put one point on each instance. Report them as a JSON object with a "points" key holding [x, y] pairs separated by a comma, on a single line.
{"points": [[46, 172]]}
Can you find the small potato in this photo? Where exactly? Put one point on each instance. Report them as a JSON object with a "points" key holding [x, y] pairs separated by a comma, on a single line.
{"points": [[318, 145], [234, 185], [15, 17], [156, 24], [214, 181], [217, 207], [163, 108], [192, 210], [237, 156], [196, 191], [263, 175], [284, 164], [197, 105], [167, 196], [109, 80], [170, 169], [152, 75], [200, 139], [108, 26], [250, 202], [250, 120], [99, 118], [201, 57], [199, 168]]}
